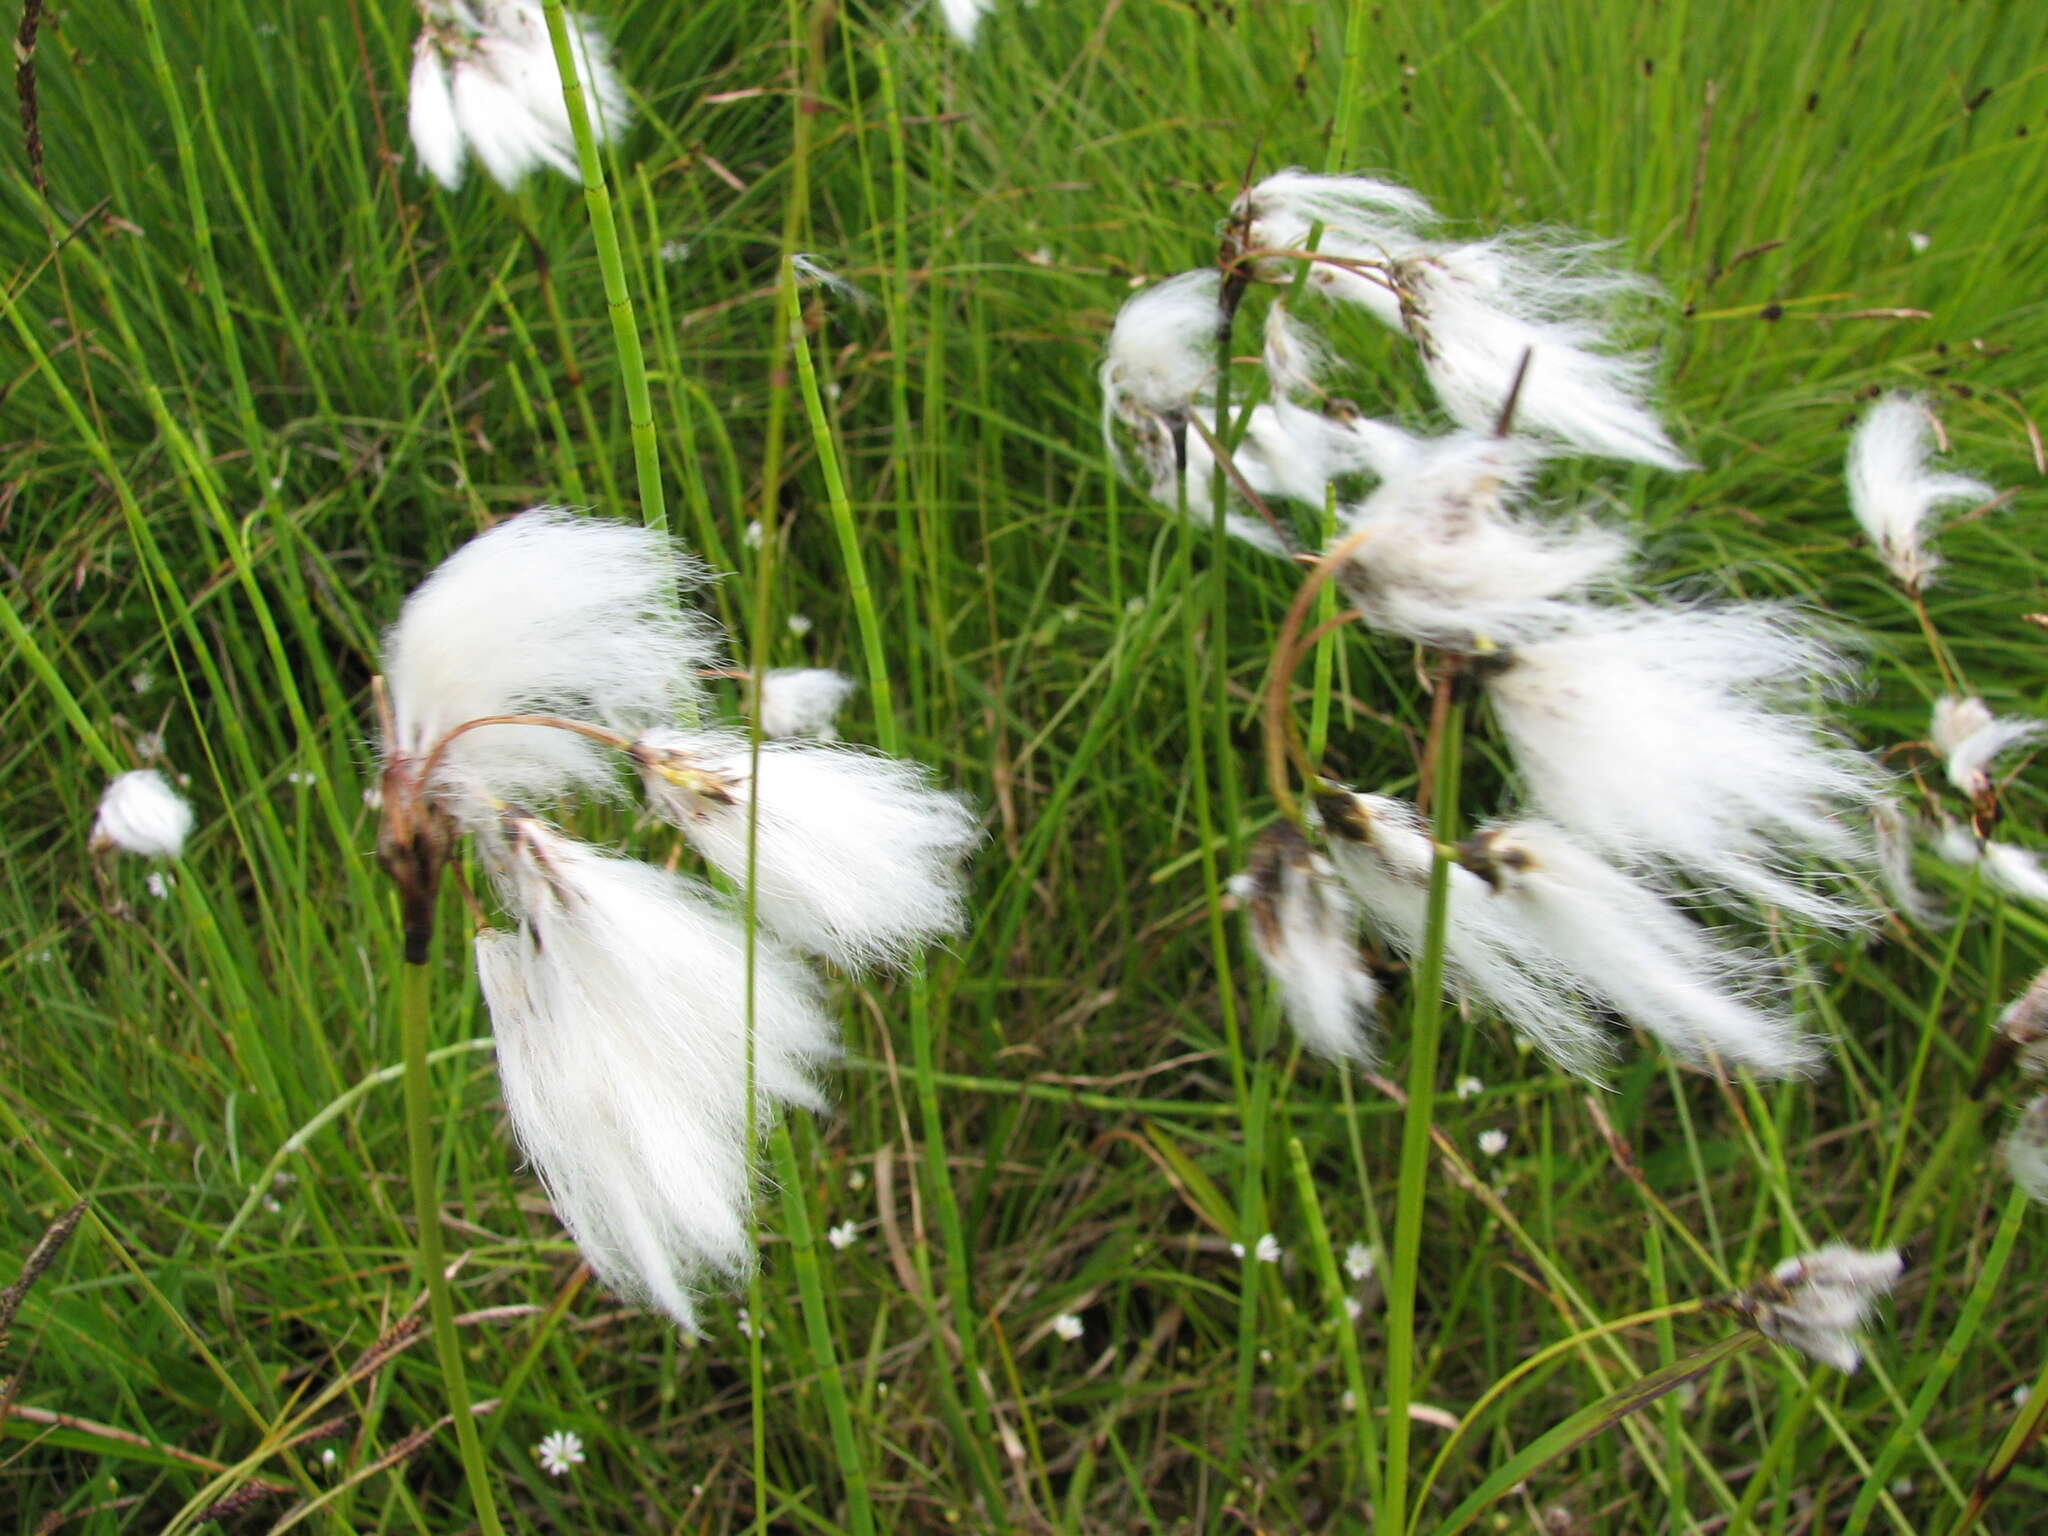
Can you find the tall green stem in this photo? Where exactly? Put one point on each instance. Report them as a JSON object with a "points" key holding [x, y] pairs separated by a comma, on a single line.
{"points": [[1426, 1018], [618, 301], [414, 984]]}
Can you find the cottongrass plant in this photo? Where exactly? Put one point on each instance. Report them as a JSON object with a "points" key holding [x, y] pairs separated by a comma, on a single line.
{"points": [[1673, 779], [140, 813], [633, 1005], [485, 83]]}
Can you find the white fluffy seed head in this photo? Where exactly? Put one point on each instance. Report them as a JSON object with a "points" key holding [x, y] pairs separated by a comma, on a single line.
{"points": [[140, 813], [1442, 553], [1894, 494], [430, 114], [620, 1006], [1677, 738], [485, 82], [855, 856], [1815, 1302], [1706, 999], [1305, 931], [2026, 1148], [1162, 349], [1383, 852], [1477, 310], [2015, 870], [964, 17], [1968, 738], [547, 613], [803, 701], [1366, 225]]}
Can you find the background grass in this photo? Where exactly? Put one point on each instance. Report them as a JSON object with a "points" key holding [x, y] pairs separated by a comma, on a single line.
{"points": [[259, 374]]}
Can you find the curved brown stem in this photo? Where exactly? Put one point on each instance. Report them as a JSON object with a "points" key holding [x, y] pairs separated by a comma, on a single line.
{"points": [[1287, 653], [596, 733]]}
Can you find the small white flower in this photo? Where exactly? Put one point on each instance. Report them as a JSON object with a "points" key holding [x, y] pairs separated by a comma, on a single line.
{"points": [[1268, 1249], [328, 1459], [143, 681], [1358, 1262], [159, 883], [745, 1323], [302, 779], [803, 701], [141, 814], [1237, 1250], [1493, 1143], [1968, 738], [754, 534], [963, 17], [1468, 1087], [1353, 1308], [1816, 1301], [2020, 1394], [149, 746], [1068, 1326], [843, 1236], [1918, 241], [673, 251], [799, 624], [1349, 1401], [272, 1204], [1893, 493], [559, 1452]]}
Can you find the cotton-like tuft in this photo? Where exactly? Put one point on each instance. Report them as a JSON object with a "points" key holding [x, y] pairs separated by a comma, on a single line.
{"points": [[1816, 1302], [547, 613], [1705, 999], [1287, 453], [140, 813], [1383, 851], [430, 114], [2015, 870], [1442, 554], [855, 856], [964, 17], [485, 81], [1673, 738], [620, 1006], [1305, 931], [2026, 1148], [1968, 738], [1893, 492], [1365, 226], [1162, 349], [803, 701]]}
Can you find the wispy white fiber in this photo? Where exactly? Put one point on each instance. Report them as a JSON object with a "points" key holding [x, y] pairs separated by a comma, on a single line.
{"points": [[1705, 999], [963, 17], [1366, 225], [1294, 356], [2026, 1148], [1967, 737], [2013, 869], [1383, 852], [548, 612], [1476, 310], [430, 114], [1674, 737], [1816, 1302], [1894, 493], [484, 82], [1287, 453], [2024, 1024], [140, 813], [803, 701], [1162, 349], [1442, 553], [1305, 931], [856, 857], [620, 1010], [1894, 837]]}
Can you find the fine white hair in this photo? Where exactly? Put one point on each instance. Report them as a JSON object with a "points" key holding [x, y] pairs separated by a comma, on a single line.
{"points": [[1816, 1301], [2015, 870], [1287, 453], [621, 1010], [485, 82], [803, 701], [853, 856], [1383, 851], [1365, 225], [1672, 737], [1968, 738], [1894, 493], [1621, 942], [1305, 932], [140, 813], [1442, 554], [547, 613], [1894, 838], [2026, 1148], [1162, 348]]}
